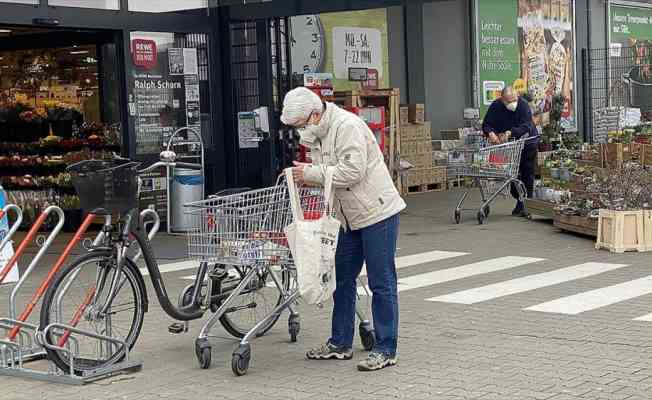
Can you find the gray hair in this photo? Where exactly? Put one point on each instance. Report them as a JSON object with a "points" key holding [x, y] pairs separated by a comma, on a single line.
{"points": [[507, 91]]}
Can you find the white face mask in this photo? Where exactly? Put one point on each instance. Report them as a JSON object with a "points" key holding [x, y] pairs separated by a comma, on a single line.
{"points": [[308, 132], [512, 106]]}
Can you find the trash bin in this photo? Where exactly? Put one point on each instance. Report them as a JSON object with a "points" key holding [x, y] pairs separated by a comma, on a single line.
{"points": [[187, 186]]}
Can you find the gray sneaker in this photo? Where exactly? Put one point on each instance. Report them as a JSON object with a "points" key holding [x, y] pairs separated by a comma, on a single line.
{"points": [[329, 352], [376, 361]]}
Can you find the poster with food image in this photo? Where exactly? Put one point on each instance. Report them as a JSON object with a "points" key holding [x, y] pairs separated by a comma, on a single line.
{"points": [[530, 45]]}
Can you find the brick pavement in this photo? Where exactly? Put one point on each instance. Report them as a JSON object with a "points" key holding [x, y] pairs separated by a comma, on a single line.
{"points": [[488, 350]]}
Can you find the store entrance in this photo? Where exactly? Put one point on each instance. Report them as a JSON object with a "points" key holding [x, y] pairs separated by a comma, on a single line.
{"points": [[60, 103]]}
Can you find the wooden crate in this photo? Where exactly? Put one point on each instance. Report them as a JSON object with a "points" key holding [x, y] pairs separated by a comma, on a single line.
{"points": [[420, 180], [540, 207], [621, 231], [575, 223], [435, 175], [390, 99], [614, 155], [414, 177], [404, 112], [431, 187], [410, 132], [647, 229], [646, 154], [416, 113], [423, 160]]}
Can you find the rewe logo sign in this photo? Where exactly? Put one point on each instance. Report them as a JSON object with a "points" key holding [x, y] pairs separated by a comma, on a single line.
{"points": [[144, 53]]}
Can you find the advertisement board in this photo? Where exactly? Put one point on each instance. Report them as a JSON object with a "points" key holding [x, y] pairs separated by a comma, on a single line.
{"points": [[529, 44]]}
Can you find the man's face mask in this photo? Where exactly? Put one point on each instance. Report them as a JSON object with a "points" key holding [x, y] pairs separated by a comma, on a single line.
{"points": [[512, 106]]}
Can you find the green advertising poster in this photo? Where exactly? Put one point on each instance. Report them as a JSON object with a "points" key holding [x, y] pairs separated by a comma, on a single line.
{"points": [[629, 24], [528, 44]]}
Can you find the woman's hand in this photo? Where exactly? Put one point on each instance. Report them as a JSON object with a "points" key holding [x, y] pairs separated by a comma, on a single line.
{"points": [[297, 172]]}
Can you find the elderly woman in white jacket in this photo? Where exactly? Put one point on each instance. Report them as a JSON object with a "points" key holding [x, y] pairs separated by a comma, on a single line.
{"points": [[368, 206]]}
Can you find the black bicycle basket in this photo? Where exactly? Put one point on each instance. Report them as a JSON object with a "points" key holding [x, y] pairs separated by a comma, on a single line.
{"points": [[106, 186]]}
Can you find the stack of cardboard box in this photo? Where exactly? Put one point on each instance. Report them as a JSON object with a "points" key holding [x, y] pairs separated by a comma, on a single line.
{"points": [[416, 148]]}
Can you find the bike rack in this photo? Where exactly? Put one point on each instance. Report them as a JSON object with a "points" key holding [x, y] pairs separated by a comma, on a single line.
{"points": [[152, 233], [29, 349], [24, 341], [14, 226]]}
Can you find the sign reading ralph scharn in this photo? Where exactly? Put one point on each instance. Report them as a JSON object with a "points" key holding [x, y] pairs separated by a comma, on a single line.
{"points": [[356, 48], [528, 44]]}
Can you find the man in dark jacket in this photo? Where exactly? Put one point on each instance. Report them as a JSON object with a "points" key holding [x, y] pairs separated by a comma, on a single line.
{"points": [[511, 117]]}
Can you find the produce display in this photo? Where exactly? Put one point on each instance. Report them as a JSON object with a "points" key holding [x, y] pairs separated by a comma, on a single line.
{"points": [[36, 146]]}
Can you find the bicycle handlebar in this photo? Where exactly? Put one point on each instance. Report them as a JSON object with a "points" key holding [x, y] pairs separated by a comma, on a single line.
{"points": [[160, 164]]}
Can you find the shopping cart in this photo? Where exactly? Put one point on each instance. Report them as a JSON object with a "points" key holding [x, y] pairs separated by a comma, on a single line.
{"points": [[492, 168], [246, 232]]}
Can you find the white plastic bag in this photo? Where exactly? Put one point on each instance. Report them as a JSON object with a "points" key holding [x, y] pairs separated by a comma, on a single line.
{"points": [[313, 244]]}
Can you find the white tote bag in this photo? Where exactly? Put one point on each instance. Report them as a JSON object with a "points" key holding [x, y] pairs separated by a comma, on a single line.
{"points": [[313, 244]]}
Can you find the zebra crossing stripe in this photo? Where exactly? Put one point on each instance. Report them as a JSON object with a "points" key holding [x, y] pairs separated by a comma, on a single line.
{"points": [[581, 302], [421, 258], [401, 262], [526, 283], [647, 318], [464, 271]]}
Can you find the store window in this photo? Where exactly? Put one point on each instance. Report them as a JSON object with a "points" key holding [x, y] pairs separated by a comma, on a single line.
{"points": [[166, 5], [99, 4], [20, 1], [56, 109]]}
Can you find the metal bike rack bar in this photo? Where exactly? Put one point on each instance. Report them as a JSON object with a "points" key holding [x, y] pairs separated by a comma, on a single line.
{"points": [[44, 248], [53, 271], [24, 341], [14, 226], [29, 350], [152, 233]]}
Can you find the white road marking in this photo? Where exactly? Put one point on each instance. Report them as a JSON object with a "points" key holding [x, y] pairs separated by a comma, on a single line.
{"points": [[526, 283], [401, 262], [581, 302], [464, 271], [647, 318], [421, 258]]}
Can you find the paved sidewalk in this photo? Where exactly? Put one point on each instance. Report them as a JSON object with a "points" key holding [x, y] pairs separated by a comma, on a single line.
{"points": [[512, 310]]}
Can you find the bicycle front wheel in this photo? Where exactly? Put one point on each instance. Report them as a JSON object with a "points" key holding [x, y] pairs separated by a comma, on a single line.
{"points": [[256, 302], [76, 298]]}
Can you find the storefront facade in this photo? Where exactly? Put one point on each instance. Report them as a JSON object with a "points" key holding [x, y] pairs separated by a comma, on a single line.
{"points": [[433, 51], [114, 66]]}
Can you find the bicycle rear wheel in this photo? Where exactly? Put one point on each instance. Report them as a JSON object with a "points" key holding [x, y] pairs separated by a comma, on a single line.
{"points": [[76, 297], [257, 301]]}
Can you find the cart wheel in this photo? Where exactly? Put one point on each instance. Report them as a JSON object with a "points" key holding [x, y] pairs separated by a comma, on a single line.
{"points": [[487, 210], [294, 326], [203, 352], [481, 217], [367, 335], [458, 216], [240, 360]]}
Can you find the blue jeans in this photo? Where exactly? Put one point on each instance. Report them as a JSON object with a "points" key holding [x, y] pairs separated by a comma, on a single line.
{"points": [[375, 245]]}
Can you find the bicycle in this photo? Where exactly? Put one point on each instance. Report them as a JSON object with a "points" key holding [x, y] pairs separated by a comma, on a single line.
{"points": [[104, 292]]}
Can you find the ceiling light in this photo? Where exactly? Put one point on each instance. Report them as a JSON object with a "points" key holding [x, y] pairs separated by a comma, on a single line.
{"points": [[5, 30], [79, 52]]}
